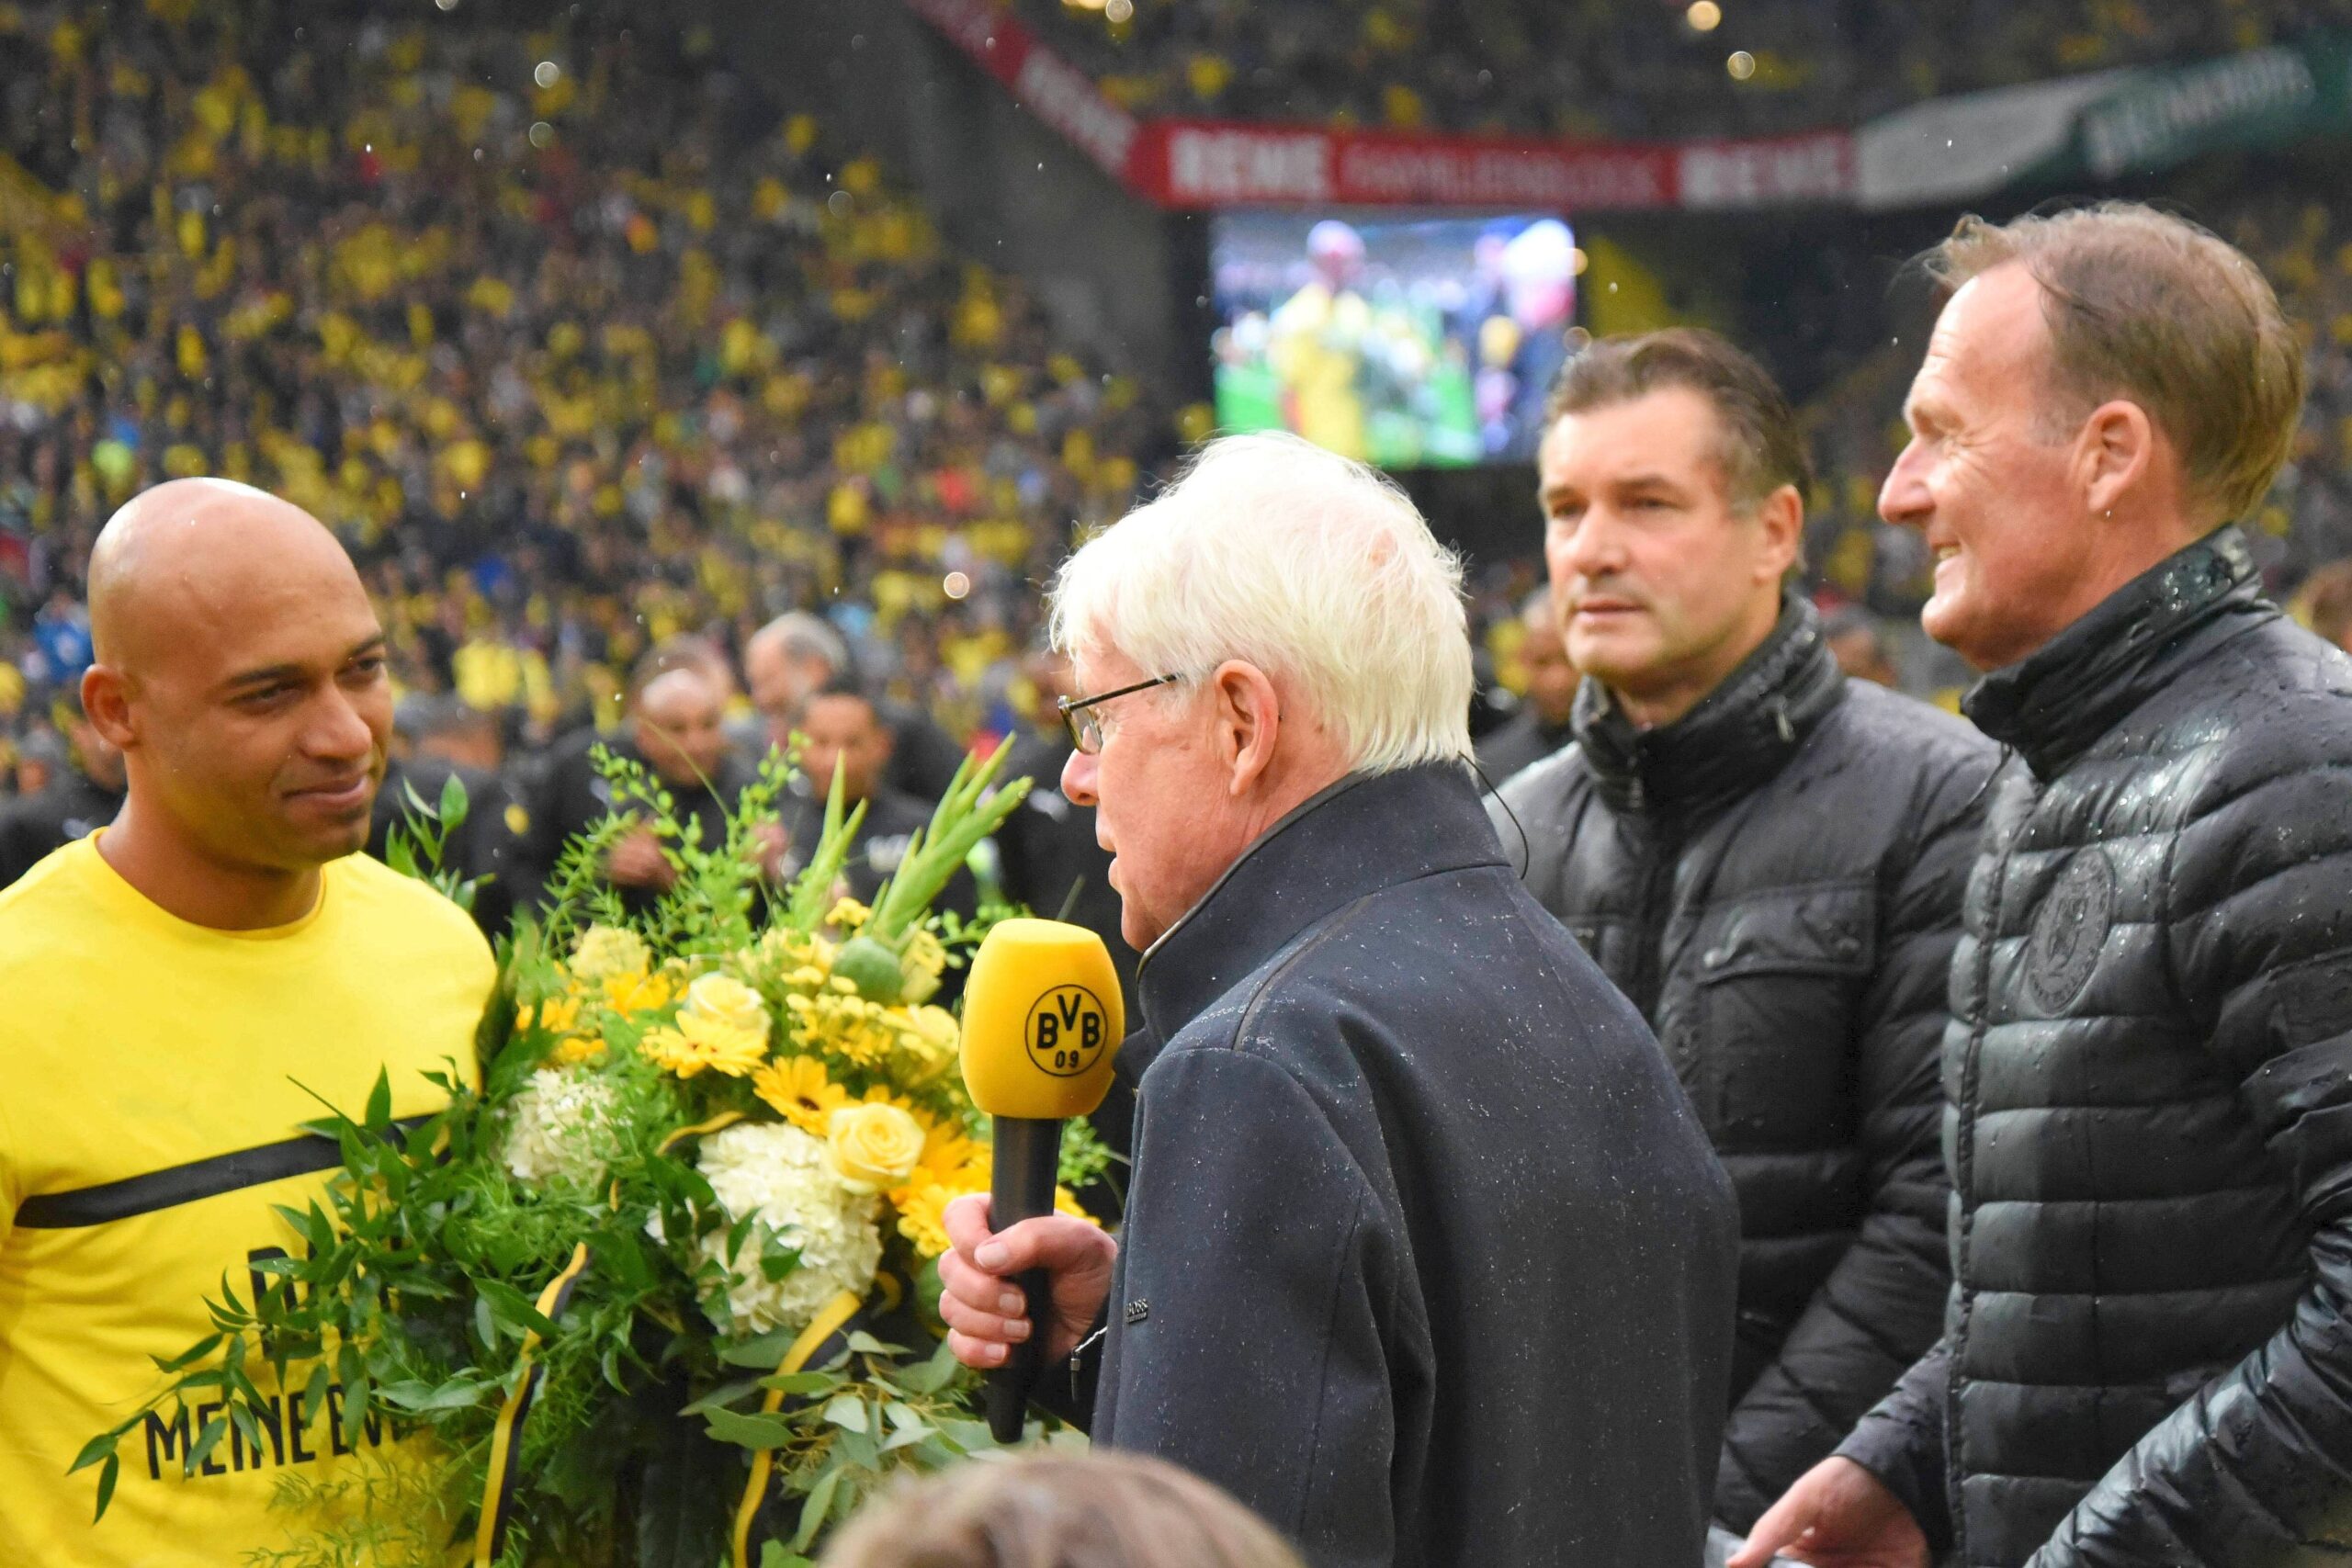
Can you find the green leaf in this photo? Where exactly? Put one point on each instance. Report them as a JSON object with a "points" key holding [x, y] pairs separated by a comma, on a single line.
{"points": [[107, 1475], [416, 1395], [189, 1357], [801, 1382], [379, 1101], [97, 1448], [776, 1554], [864, 1344], [760, 1350], [779, 1265], [812, 1512], [847, 1410], [206, 1441], [751, 1431], [454, 804]]}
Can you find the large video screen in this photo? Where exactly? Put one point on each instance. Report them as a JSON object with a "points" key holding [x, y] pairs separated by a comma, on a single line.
{"points": [[1405, 344]]}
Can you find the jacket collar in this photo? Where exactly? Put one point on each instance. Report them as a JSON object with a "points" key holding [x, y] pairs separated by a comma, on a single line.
{"points": [[1738, 736], [1365, 833], [2056, 702]]}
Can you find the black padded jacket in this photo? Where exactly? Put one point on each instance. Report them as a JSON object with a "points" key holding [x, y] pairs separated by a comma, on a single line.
{"points": [[2148, 1354], [1775, 881]]}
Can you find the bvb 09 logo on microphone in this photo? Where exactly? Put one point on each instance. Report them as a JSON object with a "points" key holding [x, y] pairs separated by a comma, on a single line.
{"points": [[1066, 1030]]}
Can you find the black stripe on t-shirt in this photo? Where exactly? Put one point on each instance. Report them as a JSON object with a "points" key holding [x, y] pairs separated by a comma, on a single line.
{"points": [[178, 1184]]}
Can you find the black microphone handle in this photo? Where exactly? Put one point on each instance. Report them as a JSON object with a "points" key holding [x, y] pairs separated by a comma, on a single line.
{"points": [[1028, 1154]]}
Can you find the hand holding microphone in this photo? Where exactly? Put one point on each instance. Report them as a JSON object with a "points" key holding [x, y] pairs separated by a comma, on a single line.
{"points": [[1042, 1022]]}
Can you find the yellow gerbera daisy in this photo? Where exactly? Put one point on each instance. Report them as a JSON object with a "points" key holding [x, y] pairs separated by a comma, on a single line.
{"points": [[799, 1091]]}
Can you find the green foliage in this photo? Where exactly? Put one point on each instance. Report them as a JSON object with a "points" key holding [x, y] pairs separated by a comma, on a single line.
{"points": [[410, 1308]]}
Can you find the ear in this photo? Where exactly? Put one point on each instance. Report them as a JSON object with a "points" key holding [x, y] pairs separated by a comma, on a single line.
{"points": [[1782, 515], [2113, 454], [105, 700], [1248, 722]]}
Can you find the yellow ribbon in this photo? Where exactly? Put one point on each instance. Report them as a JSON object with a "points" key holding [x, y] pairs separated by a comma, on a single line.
{"points": [[510, 1416], [829, 1321]]}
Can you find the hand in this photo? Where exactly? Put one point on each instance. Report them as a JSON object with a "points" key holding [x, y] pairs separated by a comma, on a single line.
{"points": [[1836, 1516], [981, 1300], [770, 844], [637, 861]]}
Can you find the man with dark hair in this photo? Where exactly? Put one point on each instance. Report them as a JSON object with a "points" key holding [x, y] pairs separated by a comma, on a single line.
{"points": [[83, 797], [2148, 1355], [842, 728], [795, 655], [1767, 858]]}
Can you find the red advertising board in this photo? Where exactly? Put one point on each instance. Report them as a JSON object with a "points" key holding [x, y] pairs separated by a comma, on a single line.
{"points": [[1206, 164]]}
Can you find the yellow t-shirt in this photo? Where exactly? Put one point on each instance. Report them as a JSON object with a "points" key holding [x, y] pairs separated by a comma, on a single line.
{"points": [[149, 1120]]}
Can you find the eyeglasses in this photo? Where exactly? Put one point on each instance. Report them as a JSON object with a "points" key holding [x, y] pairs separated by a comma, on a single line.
{"points": [[1085, 725]]}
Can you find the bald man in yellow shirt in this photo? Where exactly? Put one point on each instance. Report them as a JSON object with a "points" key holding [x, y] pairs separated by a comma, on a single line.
{"points": [[178, 985]]}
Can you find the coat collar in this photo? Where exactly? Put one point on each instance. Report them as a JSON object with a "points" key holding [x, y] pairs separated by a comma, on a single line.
{"points": [[1737, 736], [2056, 702], [1365, 833]]}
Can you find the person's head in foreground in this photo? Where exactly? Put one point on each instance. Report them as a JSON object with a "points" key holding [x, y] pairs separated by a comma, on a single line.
{"points": [[1671, 476], [1049, 1510], [2104, 388], [1276, 620], [241, 672]]}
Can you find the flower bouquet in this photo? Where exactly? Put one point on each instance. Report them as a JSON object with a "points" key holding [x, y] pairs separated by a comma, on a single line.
{"points": [[661, 1289]]}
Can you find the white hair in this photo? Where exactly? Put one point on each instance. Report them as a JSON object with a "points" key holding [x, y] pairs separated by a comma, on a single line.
{"points": [[1317, 569]]}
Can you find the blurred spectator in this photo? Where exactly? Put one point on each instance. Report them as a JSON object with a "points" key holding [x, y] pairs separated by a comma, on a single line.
{"points": [[1058, 1510], [798, 654], [439, 737], [82, 794], [1858, 644], [1545, 722], [843, 727]]}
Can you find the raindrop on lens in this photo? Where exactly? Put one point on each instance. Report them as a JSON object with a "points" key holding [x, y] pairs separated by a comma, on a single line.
{"points": [[838, 203], [546, 73], [1704, 16], [542, 133], [1742, 65], [1119, 10], [955, 585]]}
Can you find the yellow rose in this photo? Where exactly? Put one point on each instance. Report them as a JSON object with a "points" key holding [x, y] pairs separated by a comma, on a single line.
{"points": [[722, 1004], [606, 951], [875, 1145]]}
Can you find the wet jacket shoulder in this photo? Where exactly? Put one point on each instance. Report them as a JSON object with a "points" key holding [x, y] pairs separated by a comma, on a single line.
{"points": [[2148, 1358], [1776, 880], [1394, 1131]]}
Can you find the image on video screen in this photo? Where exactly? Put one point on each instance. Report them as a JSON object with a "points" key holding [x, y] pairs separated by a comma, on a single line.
{"points": [[1419, 343]]}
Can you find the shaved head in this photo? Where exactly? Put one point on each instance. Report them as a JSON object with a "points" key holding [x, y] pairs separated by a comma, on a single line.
{"points": [[240, 668], [678, 729]]}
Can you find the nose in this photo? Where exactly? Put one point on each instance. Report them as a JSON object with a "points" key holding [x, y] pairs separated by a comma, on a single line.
{"points": [[1592, 548], [341, 733], [1081, 772], [1903, 499]]}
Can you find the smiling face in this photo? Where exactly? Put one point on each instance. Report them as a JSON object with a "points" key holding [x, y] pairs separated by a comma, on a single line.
{"points": [[1662, 584], [1989, 478], [252, 700]]}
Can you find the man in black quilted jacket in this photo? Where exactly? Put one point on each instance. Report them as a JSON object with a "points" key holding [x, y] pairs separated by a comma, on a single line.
{"points": [[2147, 1358], [1768, 860]]}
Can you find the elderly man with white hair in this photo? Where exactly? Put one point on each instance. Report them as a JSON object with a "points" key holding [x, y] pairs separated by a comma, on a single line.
{"points": [[1426, 1258]]}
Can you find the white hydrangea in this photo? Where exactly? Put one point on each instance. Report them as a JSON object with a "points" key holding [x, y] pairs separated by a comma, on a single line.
{"points": [[781, 1174], [562, 1129]]}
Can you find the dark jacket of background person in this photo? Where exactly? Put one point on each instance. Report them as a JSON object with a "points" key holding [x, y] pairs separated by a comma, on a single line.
{"points": [[573, 796], [1426, 1259], [1775, 881], [891, 821], [1052, 862], [492, 845], [923, 756], [71, 808], [2148, 1358], [1522, 742]]}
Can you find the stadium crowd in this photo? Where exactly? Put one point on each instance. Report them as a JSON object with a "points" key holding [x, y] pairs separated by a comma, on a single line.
{"points": [[1599, 68], [577, 343]]}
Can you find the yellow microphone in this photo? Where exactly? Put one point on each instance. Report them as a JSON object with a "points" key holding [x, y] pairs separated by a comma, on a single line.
{"points": [[1042, 1022]]}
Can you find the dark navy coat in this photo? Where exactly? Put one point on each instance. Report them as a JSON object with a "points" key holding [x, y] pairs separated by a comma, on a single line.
{"points": [[1427, 1258]]}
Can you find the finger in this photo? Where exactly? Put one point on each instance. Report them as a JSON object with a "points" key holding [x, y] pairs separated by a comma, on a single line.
{"points": [[1783, 1523], [1050, 1242], [978, 1289], [975, 1323], [979, 1353], [967, 1221]]}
